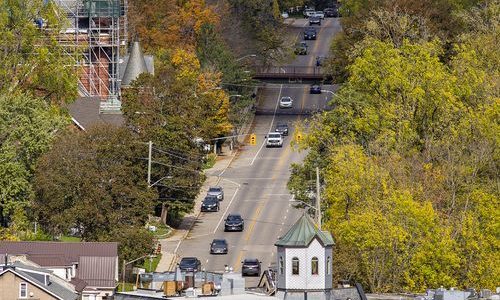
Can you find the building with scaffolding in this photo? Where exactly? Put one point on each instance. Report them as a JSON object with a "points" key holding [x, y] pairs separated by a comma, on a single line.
{"points": [[96, 37]]}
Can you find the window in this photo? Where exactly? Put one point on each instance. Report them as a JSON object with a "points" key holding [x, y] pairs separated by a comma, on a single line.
{"points": [[23, 290], [295, 266], [328, 266], [314, 266], [282, 267]]}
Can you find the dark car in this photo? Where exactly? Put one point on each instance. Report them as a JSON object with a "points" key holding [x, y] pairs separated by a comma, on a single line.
{"points": [[320, 61], [218, 246], [315, 89], [250, 266], [314, 20], [301, 48], [210, 203], [234, 222], [190, 264], [216, 191], [310, 33], [331, 12], [282, 128]]}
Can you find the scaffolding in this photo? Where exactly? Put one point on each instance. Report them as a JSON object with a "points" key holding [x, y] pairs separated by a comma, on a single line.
{"points": [[96, 36]]}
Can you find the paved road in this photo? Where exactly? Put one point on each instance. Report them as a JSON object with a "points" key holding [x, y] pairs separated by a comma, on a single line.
{"points": [[255, 181]]}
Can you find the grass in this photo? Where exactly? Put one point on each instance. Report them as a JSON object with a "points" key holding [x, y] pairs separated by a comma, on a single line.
{"points": [[210, 161], [129, 287], [162, 230], [150, 266], [67, 238]]}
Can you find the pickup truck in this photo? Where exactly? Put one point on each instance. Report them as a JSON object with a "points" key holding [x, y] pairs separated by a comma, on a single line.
{"points": [[274, 139]]}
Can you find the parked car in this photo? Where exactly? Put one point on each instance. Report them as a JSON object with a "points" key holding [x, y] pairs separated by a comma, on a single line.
{"points": [[282, 128], [284, 15], [210, 203], [234, 222], [190, 264], [218, 246], [310, 33], [331, 12], [301, 48], [319, 14], [315, 89], [274, 139], [286, 102], [308, 12], [314, 20], [250, 266], [216, 191]]}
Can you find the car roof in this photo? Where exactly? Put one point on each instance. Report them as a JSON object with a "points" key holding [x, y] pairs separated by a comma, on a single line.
{"points": [[215, 187], [251, 260], [286, 98], [281, 124], [219, 241], [189, 258], [234, 215]]}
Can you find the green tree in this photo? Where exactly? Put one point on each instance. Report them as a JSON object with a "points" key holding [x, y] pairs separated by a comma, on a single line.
{"points": [[27, 127], [31, 59], [94, 181]]}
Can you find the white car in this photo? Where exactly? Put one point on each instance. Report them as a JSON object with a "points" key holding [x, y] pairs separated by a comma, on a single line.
{"points": [[319, 14], [274, 139], [308, 12], [284, 15], [286, 102]]}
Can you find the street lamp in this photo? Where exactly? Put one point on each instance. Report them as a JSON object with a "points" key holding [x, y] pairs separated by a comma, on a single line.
{"points": [[157, 181], [243, 57]]}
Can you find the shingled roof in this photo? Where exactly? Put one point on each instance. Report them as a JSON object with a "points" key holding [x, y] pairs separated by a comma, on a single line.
{"points": [[303, 232]]}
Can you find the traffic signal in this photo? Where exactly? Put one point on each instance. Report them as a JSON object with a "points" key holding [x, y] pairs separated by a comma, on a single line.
{"points": [[253, 139], [298, 137]]}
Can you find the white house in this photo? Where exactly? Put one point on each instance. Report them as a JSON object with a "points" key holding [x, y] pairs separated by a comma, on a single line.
{"points": [[305, 262]]}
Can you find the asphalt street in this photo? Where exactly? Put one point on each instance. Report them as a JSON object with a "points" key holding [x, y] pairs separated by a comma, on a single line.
{"points": [[255, 181]]}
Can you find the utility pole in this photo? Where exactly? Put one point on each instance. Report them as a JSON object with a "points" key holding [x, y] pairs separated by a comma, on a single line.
{"points": [[150, 154], [318, 199]]}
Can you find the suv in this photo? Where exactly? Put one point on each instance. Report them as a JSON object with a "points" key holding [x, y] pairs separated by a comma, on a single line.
{"points": [[301, 48], [217, 192], [319, 14], [282, 128], [250, 266], [331, 12], [286, 102], [274, 139], [210, 203], [314, 20], [315, 89], [190, 264], [310, 33], [234, 222]]}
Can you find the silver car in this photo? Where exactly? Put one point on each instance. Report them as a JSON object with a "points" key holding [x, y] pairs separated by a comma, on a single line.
{"points": [[286, 102], [217, 192]]}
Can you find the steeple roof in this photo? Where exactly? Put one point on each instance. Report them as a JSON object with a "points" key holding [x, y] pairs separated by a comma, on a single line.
{"points": [[136, 64], [303, 232]]}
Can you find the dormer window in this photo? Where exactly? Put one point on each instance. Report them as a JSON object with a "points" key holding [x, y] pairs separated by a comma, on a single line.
{"points": [[295, 266], [282, 267], [328, 266], [23, 290]]}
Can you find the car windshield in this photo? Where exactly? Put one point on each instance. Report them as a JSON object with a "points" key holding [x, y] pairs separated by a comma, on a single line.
{"points": [[210, 200], [286, 99], [234, 218], [186, 261], [274, 135], [281, 126], [219, 243], [215, 189], [251, 262]]}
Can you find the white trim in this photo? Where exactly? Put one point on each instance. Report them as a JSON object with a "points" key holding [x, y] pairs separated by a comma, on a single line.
{"points": [[30, 281], [21, 284], [78, 124]]}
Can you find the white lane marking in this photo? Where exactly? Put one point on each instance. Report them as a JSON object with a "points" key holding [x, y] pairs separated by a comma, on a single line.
{"points": [[233, 182], [230, 162], [270, 127], [227, 208]]}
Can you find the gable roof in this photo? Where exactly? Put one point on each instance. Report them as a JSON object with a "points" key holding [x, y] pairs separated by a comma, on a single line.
{"points": [[97, 262], [54, 289], [303, 232]]}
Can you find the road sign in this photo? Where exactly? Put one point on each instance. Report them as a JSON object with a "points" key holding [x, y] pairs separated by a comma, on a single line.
{"points": [[253, 139]]}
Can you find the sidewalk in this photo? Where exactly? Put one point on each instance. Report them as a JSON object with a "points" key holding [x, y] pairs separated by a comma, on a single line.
{"points": [[170, 245]]}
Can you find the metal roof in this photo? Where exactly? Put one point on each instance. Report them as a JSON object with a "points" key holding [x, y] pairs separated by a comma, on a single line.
{"points": [[97, 262], [136, 64], [303, 232]]}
